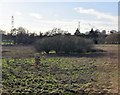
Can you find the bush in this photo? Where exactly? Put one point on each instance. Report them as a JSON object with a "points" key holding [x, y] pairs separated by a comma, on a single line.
{"points": [[68, 44], [44, 44], [112, 38], [57, 43], [63, 44]]}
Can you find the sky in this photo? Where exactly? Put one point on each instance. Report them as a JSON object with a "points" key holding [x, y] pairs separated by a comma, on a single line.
{"points": [[44, 16]]}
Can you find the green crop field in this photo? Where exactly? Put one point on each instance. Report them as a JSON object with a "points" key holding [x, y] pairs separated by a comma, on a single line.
{"points": [[83, 74]]}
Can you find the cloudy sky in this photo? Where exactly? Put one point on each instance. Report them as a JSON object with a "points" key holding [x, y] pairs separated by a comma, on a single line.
{"points": [[44, 16]]}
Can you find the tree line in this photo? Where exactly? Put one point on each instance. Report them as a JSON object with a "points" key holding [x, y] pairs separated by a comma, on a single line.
{"points": [[22, 36]]}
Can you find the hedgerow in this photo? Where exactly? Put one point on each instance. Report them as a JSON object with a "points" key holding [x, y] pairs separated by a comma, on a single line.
{"points": [[64, 44]]}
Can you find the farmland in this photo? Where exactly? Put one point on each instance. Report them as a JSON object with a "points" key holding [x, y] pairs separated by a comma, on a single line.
{"points": [[60, 74]]}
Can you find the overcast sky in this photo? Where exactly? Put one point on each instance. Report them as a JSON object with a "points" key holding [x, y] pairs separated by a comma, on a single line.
{"points": [[44, 16]]}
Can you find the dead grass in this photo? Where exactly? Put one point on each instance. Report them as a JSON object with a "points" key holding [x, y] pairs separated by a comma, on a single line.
{"points": [[18, 51]]}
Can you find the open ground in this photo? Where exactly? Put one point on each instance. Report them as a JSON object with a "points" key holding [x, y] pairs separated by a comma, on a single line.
{"points": [[92, 72]]}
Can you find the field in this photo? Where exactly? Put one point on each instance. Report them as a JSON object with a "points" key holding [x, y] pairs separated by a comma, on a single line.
{"points": [[82, 74]]}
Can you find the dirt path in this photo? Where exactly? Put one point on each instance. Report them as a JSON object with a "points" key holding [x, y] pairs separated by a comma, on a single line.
{"points": [[109, 67]]}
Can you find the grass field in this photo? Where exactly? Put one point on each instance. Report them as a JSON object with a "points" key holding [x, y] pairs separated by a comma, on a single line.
{"points": [[60, 74]]}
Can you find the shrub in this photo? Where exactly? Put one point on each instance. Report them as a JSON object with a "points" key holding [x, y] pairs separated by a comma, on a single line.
{"points": [[63, 44], [68, 44], [57, 43], [112, 38], [44, 44], [82, 44]]}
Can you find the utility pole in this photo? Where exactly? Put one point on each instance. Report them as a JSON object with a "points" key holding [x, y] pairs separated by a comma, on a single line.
{"points": [[12, 24], [79, 25]]}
